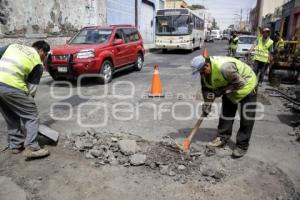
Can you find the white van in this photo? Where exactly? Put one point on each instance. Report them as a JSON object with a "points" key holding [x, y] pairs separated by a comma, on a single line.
{"points": [[216, 34]]}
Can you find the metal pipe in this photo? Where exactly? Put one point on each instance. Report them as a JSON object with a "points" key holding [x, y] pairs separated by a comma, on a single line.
{"points": [[285, 96]]}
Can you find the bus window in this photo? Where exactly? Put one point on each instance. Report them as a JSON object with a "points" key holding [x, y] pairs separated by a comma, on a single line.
{"points": [[174, 25]]}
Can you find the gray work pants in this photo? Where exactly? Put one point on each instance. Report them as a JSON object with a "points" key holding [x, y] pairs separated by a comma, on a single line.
{"points": [[260, 69], [19, 110]]}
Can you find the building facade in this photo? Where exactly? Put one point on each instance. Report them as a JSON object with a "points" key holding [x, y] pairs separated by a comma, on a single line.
{"points": [[287, 18], [262, 8], [295, 22], [175, 4], [60, 17], [63, 18]]}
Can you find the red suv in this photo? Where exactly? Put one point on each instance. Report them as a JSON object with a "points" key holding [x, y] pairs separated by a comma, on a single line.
{"points": [[98, 50]]}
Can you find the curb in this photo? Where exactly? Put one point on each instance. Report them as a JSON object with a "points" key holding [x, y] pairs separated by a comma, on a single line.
{"points": [[150, 50]]}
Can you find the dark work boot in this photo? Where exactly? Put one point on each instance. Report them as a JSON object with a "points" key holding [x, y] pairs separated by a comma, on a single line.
{"points": [[238, 152]]}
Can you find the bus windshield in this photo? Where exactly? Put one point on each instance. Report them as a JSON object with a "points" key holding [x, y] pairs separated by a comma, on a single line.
{"points": [[172, 25]]}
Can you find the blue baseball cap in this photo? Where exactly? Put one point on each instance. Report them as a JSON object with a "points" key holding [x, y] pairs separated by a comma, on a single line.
{"points": [[197, 64]]}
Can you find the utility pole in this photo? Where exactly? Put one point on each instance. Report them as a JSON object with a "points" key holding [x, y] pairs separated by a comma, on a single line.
{"points": [[136, 13], [241, 17], [174, 3], [248, 21]]}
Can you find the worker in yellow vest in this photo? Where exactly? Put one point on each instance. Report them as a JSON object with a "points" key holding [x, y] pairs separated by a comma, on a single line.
{"points": [[233, 43], [21, 68], [235, 81], [278, 43], [263, 49]]}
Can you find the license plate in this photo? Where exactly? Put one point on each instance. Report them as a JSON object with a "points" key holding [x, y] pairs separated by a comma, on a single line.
{"points": [[62, 69]]}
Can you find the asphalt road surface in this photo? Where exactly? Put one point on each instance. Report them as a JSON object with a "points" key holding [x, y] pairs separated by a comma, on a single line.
{"points": [[123, 106]]}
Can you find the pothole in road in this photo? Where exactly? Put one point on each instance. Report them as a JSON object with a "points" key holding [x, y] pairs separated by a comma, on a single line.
{"points": [[209, 168]]}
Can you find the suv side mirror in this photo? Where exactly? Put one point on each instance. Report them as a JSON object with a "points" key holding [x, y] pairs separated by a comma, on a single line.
{"points": [[118, 41]]}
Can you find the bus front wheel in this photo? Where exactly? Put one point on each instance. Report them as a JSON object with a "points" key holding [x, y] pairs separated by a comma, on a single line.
{"points": [[192, 49]]}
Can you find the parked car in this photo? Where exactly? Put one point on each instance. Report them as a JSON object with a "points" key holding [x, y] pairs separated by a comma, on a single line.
{"points": [[225, 36], [209, 38], [97, 50], [244, 45]]}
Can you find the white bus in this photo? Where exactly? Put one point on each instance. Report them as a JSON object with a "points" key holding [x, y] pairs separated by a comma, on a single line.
{"points": [[216, 34], [178, 29]]}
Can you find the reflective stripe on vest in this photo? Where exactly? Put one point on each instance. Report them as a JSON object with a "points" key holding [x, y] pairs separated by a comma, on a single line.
{"points": [[217, 79], [8, 60], [262, 50], [16, 64], [279, 43], [9, 71]]}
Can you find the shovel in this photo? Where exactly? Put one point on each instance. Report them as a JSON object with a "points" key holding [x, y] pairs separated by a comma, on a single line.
{"points": [[185, 147]]}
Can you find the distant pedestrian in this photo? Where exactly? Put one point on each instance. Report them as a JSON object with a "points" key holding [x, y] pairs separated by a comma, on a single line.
{"points": [[233, 43], [21, 68]]}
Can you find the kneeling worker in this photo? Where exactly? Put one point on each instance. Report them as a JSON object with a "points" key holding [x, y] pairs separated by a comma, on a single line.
{"points": [[21, 68], [235, 81]]}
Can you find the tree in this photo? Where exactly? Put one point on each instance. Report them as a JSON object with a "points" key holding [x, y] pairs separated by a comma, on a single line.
{"points": [[214, 24], [196, 7], [231, 26]]}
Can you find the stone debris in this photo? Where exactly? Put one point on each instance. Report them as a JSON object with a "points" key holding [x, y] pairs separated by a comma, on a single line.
{"points": [[96, 153], [127, 147], [208, 172], [209, 151], [164, 169], [129, 150], [295, 132], [171, 173], [137, 159], [181, 167]]}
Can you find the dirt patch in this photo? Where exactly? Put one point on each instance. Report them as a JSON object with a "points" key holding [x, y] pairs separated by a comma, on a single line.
{"points": [[206, 166], [95, 165], [262, 99]]}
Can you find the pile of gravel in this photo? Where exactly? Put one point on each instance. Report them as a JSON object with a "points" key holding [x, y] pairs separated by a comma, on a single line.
{"points": [[132, 151]]}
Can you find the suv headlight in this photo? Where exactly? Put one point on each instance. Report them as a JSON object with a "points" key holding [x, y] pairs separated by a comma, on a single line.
{"points": [[86, 53]]}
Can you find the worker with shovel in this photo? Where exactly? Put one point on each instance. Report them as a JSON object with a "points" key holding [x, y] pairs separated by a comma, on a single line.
{"points": [[235, 81], [21, 68]]}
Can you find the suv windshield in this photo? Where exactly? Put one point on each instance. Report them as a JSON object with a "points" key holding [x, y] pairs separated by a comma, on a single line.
{"points": [[247, 40], [172, 25], [91, 36]]}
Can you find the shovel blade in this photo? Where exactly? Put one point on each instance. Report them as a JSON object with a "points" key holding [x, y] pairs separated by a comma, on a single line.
{"points": [[186, 145], [48, 132]]}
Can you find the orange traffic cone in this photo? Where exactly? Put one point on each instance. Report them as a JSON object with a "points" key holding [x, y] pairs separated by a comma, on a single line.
{"points": [[205, 53], [156, 88]]}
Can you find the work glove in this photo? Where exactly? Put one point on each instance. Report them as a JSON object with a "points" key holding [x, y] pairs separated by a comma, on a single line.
{"points": [[219, 92], [206, 108], [209, 96]]}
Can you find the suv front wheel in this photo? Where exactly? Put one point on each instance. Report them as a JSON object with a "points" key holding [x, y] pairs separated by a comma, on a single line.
{"points": [[106, 72], [139, 62]]}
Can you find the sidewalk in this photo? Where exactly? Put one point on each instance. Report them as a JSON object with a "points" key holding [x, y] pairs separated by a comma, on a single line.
{"points": [[150, 47]]}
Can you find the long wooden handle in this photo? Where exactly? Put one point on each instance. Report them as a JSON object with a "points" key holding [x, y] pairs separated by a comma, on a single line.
{"points": [[196, 127]]}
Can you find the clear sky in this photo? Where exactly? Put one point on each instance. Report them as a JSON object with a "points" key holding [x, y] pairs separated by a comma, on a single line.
{"points": [[226, 12]]}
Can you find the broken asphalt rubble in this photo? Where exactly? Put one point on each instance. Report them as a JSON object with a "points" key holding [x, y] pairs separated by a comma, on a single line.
{"points": [[130, 150]]}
